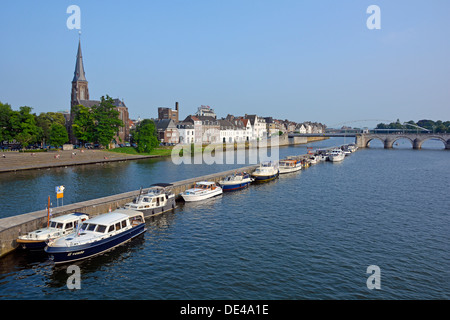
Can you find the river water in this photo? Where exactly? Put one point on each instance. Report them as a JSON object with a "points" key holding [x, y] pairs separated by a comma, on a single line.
{"points": [[307, 235]]}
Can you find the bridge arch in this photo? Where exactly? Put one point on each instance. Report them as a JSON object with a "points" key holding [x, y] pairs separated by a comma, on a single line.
{"points": [[372, 139], [419, 142], [391, 142]]}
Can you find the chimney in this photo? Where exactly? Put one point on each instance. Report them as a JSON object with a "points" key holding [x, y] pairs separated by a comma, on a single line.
{"points": [[176, 106]]}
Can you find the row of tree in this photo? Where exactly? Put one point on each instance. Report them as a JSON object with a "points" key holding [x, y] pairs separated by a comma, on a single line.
{"points": [[97, 124], [433, 126], [25, 127]]}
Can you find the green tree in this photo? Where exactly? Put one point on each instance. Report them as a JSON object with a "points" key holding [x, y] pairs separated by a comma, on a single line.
{"points": [[24, 123], [58, 134], [145, 136], [107, 122], [6, 133], [83, 124], [45, 120]]}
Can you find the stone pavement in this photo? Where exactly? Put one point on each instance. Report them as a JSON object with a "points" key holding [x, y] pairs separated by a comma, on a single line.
{"points": [[15, 161]]}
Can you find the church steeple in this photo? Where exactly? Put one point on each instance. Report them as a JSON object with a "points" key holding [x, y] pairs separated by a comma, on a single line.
{"points": [[80, 90], [79, 68]]}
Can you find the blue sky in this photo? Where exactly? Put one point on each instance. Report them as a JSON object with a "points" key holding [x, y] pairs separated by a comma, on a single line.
{"points": [[300, 60]]}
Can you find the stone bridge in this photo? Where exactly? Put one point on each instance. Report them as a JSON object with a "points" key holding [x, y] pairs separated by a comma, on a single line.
{"points": [[388, 140]]}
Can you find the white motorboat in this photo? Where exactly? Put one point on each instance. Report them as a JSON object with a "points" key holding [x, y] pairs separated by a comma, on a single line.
{"points": [[158, 199], [288, 165], [97, 235], [265, 172], [352, 147], [201, 191], [336, 155], [56, 227], [313, 159]]}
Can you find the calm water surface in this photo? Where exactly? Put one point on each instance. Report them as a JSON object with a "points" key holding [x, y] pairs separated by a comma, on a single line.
{"points": [[307, 235]]}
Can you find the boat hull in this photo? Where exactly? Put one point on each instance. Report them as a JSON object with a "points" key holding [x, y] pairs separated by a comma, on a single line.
{"points": [[289, 170], [194, 197], [70, 254], [235, 186], [265, 178], [337, 158], [170, 205], [32, 244]]}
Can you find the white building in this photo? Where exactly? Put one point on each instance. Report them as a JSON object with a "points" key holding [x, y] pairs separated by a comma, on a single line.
{"points": [[259, 130], [187, 132], [206, 111]]}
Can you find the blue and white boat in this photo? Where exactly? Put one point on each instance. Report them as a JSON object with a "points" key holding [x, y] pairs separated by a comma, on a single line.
{"points": [[97, 235], [236, 181]]}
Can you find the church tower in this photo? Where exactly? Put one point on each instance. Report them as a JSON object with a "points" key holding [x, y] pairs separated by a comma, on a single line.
{"points": [[80, 90]]}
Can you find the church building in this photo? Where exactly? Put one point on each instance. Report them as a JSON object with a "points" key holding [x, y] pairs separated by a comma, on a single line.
{"points": [[80, 95]]}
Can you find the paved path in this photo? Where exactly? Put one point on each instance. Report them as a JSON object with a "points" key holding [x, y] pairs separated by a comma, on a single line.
{"points": [[14, 161]]}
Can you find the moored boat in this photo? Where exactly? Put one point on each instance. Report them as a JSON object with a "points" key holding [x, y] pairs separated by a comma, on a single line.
{"points": [[267, 171], [97, 235], [202, 190], [236, 182], [313, 159], [56, 227], [336, 155], [289, 165], [158, 199]]}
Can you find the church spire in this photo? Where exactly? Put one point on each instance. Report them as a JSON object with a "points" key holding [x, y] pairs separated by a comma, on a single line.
{"points": [[79, 69]]}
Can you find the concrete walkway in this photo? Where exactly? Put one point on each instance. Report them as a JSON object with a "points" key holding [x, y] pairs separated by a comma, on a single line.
{"points": [[15, 161]]}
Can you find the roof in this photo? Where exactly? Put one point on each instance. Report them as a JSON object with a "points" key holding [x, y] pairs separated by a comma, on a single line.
{"points": [[206, 182], [89, 103], [161, 185], [69, 217], [163, 124], [113, 217], [226, 124], [79, 74]]}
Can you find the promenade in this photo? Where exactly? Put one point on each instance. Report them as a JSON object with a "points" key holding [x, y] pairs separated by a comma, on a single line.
{"points": [[15, 161]]}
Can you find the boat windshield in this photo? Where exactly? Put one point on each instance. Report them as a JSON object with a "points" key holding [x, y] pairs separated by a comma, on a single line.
{"points": [[203, 186], [56, 225]]}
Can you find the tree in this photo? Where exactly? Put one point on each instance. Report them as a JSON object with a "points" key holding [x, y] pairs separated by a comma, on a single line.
{"points": [[83, 124], [58, 135], [6, 133], [107, 122], [24, 123], [145, 136], [45, 120]]}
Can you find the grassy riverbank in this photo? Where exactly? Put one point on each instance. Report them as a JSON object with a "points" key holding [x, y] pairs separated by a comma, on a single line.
{"points": [[160, 151]]}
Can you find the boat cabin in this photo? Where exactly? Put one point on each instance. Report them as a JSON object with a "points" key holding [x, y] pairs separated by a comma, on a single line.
{"points": [[205, 185], [112, 222]]}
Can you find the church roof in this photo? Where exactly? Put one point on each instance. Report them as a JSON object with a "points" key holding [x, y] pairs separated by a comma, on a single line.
{"points": [[79, 75]]}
